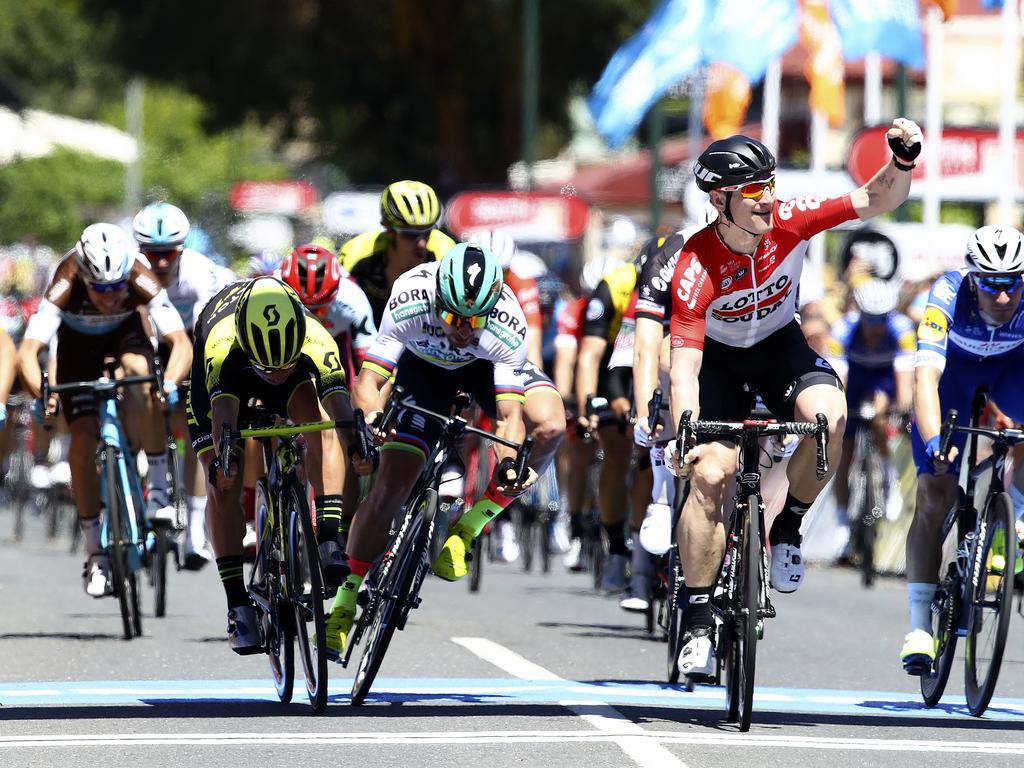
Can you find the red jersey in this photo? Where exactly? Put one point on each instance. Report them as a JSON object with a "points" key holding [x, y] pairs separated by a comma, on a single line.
{"points": [[525, 289], [740, 299], [570, 321]]}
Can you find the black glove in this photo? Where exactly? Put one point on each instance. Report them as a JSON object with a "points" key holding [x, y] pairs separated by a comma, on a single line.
{"points": [[902, 151]]}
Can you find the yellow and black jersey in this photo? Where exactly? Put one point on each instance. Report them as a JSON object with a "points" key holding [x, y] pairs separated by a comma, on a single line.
{"points": [[364, 258], [609, 303]]}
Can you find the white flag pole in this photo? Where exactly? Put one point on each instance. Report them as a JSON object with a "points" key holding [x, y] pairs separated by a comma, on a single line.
{"points": [[1007, 115], [933, 119], [872, 88], [772, 99]]}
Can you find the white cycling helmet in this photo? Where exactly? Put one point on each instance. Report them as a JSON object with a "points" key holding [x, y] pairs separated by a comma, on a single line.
{"points": [[497, 242], [995, 250], [877, 297], [160, 226], [102, 254]]}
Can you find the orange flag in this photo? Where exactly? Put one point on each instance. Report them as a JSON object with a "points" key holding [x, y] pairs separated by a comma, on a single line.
{"points": [[949, 8], [726, 99], [824, 67]]}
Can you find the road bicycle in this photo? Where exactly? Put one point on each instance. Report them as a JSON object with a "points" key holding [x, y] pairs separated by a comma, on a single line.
{"points": [[125, 530], [286, 581], [974, 599], [741, 602], [393, 584]]}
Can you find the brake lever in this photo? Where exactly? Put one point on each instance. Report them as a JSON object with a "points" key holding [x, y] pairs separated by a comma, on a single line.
{"points": [[522, 455], [821, 439]]}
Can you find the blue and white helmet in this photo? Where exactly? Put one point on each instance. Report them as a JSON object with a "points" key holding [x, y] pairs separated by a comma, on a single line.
{"points": [[103, 255], [160, 226]]}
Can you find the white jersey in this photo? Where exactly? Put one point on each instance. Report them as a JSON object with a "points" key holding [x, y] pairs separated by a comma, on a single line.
{"points": [[349, 313], [197, 280], [410, 323]]}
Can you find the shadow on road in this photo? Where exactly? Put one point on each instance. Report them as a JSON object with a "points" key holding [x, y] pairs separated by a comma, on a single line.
{"points": [[617, 631], [88, 636]]}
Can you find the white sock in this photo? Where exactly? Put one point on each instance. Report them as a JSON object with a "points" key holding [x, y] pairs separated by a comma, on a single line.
{"points": [[921, 596], [197, 518], [157, 479], [91, 529]]}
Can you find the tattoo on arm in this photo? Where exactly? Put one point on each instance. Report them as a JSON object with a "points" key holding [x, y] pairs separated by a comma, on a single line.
{"points": [[885, 181]]}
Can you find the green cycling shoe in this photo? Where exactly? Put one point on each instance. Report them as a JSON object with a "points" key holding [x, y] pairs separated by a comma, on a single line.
{"points": [[451, 563], [338, 625], [997, 563], [918, 652]]}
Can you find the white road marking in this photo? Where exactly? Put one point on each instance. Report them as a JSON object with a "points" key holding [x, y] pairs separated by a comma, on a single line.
{"points": [[613, 730], [630, 737]]}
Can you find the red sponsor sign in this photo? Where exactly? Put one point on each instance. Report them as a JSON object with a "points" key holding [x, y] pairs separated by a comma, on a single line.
{"points": [[533, 216], [280, 197], [964, 153]]}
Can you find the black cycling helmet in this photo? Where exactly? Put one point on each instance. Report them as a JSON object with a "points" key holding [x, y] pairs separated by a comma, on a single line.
{"points": [[736, 160]]}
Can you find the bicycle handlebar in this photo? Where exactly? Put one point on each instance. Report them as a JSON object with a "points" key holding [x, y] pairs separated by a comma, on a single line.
{"points": [[654, 411], [1009, 437], [946, 433]]}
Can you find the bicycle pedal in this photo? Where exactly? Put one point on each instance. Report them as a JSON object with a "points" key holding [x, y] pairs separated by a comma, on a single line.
{"points": [[919, 666]]}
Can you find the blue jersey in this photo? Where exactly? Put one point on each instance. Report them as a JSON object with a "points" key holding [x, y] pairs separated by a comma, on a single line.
{"points": [[849, 353], [952, 327]]}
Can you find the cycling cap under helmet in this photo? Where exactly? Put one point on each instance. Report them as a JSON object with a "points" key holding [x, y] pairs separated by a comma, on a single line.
{"points": [[409, 204], [102, 254], [469, 280], [160, 226], [501, 245], [270, 323], [995, 250], [876, 297], [735, 160], [314, 273]]}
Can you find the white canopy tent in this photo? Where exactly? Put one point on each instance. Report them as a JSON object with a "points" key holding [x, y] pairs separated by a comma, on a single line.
{"points": [[34, 133]]}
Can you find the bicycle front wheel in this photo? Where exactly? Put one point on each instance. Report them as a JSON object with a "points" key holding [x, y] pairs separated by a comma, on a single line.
{"points": [[946, 607], [394, 593], [306, 588], [990, 607], [749, 578], [674, 628], [123, 578], [266, 578]]}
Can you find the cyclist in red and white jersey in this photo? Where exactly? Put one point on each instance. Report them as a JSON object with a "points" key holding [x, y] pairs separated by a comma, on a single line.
{"points": [[734, 323]]}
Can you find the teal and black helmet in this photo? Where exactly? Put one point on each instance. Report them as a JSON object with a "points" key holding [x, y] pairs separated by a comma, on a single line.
{"points": [[469, 280]]}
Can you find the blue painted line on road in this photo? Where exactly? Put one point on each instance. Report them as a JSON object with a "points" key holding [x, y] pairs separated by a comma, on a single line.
{"points": [[498, 691]]}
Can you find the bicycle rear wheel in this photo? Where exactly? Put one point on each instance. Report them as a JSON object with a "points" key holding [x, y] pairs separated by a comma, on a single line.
{"points": [[946, 607], [395, 592], [159, 572], [991, 602], [306, 589]]}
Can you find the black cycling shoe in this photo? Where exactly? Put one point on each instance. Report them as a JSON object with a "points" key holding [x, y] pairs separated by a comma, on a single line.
{"points": [[334, 565]]}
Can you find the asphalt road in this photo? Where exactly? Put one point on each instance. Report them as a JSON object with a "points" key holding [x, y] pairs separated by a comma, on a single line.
{"points": [[533, 670]]}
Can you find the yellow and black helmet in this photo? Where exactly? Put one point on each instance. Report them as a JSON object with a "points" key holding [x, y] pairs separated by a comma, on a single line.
{"points": [[270, 323], [409, 205]]}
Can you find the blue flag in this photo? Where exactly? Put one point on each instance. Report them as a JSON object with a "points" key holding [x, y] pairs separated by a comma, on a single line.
{"points": [[891, 28], [748, 34], [664, 51], [991, 3]]}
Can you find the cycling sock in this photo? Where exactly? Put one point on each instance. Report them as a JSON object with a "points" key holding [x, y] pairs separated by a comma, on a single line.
{"points": [[91, 529], [230, 570], [349, 589], [616, 539], [157, 477], [328, 516], [197, 517], [249, 504], [576, 525], [641, 568], [787, 524], [487, 507], [698, 606], [921, 596]]}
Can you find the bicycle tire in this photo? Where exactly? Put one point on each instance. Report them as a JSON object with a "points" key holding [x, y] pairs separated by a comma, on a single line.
{"points": [[306, 592], [545, 544], [947, 598], [871, 498], [675, 616], [476, 564], [524, 528], [278, 630], [751, 585], [159, 572], [394, 594], [116, 549], [990, 588]]}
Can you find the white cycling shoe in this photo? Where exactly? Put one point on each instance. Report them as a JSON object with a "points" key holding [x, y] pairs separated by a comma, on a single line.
{"points": [[787, 572], [96, 576], [697, 658]]}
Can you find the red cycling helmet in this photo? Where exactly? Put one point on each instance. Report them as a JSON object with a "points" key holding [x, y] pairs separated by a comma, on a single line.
{"points": [[314, 273]]}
